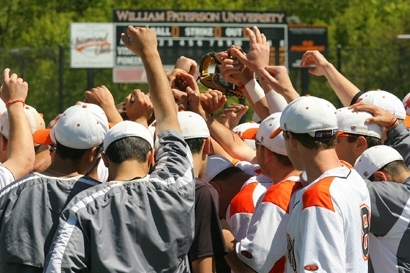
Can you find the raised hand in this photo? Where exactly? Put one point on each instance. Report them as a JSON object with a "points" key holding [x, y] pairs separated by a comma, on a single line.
{"points": [[315, 59], [13, 88], [212, 101], [232, 115], [278, 78], [258, 56], [139, 107]]}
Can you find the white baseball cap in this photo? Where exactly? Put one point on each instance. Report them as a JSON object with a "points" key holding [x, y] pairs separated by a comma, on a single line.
{"points": [[247, 132], [81, 126], [268, 125], [192, 125], [34, 118], [375, 158], [125, 129], [312, 115], [355, 123], [386, 101], [215, 165]]}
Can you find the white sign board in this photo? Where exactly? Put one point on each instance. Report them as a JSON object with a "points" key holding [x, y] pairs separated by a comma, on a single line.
{"points": [[92, 45]]}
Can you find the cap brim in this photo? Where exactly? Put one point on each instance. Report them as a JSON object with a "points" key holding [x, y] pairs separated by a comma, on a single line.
{"points": [[275, 133], [250, 133], [43, 137]]}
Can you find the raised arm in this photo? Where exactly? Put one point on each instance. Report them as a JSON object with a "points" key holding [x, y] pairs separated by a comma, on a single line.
{"points": [[256, 60], [21, 151], [143, 42], [101, 96], [344, 89]]}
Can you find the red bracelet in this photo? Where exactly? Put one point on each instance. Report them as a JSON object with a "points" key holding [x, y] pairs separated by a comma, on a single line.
{"points": [[240, 87], [10, 102]]}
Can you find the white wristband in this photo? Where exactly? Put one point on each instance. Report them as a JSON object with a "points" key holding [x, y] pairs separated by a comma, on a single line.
{"points": [[254, 90]]}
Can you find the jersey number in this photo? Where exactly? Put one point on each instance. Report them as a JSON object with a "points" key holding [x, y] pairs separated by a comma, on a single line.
{"points": [[291, 252], [365, 214]]}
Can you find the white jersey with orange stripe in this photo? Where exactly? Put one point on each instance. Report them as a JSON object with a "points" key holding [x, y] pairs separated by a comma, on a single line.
{"points": [[264, 245], [242, 206], [328, 230]]}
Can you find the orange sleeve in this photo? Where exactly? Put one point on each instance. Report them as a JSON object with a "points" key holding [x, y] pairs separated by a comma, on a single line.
{"points": [[243, 201], [280, 194], [319, 195]]}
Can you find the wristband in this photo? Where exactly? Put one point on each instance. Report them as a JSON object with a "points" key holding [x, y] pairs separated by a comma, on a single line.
{"points": [[10, 102], [255, 91]]}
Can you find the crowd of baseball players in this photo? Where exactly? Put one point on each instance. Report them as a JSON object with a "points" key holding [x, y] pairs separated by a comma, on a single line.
{"points": [[160, 183]]}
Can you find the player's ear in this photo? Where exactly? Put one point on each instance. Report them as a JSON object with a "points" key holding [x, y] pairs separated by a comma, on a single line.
{"points": [[361, 143], [380, 176], [207, 146]]}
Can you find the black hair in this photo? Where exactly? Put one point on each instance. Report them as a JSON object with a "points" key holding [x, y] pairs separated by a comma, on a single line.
{"points": [[195, 144], [371, 141], [313, 142], [70, 153], [128, 148]]}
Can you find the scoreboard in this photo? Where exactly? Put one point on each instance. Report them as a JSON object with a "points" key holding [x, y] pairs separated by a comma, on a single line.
{"points": [[193, 34]]}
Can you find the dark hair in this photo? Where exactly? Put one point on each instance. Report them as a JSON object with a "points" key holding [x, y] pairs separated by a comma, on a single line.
{"points": [[313, 142], [129, 148], [195, 144], [394, 168], [371, 141], [70, 153]]}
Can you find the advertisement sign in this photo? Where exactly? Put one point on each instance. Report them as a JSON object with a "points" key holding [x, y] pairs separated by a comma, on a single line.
{"points": [[92, 45]]}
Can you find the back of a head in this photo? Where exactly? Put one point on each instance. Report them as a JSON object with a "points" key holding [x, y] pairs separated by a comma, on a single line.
{"points": [[81, 127], [376, 158], [194, 130], [128, 140], [386, 101], [312, 120], [354, 124], [35, 121]]}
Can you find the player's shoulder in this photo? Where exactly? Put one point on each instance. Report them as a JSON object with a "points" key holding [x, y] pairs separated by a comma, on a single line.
{"points": [[319, 194], [204, 188], [281, 193]]}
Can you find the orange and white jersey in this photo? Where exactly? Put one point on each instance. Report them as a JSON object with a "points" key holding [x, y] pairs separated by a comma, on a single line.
{"points": [[242, 206], [264, 246], [329, 225]]}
